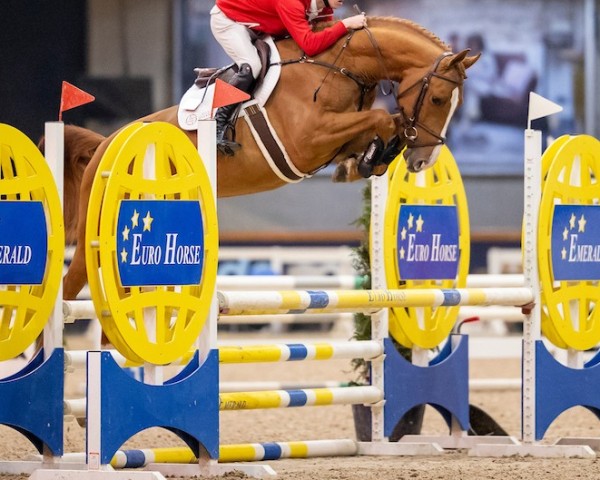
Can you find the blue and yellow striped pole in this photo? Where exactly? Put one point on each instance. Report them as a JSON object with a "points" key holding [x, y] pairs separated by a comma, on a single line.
{"points": [[299, 398], [369, 301], [279, 352], [254, 400], [289, 352], [249, 452]]}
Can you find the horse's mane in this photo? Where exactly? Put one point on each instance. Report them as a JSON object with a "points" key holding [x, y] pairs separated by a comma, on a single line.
{"points": [[372, 21], [401, 22]]}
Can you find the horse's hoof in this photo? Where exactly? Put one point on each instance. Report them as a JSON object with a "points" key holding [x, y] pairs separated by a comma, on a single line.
{"points": [[340, 174], [380, 170], [365, 169]]}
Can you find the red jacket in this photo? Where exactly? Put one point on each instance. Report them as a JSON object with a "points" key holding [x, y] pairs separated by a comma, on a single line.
{"points": [[280, 17]]}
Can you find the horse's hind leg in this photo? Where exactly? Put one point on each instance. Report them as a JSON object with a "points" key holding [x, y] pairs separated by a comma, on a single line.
{"points": [[76, 276]]}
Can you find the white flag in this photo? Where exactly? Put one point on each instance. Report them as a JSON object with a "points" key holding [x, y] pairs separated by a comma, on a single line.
{"points": [[541, 107]]}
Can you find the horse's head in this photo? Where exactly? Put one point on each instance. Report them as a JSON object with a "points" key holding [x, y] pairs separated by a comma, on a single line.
{"points": [[427, 100]]}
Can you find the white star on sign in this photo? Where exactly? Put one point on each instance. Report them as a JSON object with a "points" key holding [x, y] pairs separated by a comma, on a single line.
{"points": [[572, 221], [563, 254], [147, 222], [403, 234], [410, 221], [565, 234], [134, 219], [123, 256], [420, 223], [582, 221], [125, 233]]}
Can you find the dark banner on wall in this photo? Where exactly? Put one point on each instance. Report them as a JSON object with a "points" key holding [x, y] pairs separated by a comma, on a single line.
{"points": [[526, 46], [42, 43]]}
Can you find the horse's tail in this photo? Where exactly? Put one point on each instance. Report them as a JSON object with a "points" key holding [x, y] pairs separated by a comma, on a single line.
{"points": [[80, 145]]}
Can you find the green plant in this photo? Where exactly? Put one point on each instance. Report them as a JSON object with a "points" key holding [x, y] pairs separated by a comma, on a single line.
{"points": [[361, 262]]}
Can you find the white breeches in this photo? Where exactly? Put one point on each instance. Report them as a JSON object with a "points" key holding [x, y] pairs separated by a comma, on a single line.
{"points": [[235, 40]]}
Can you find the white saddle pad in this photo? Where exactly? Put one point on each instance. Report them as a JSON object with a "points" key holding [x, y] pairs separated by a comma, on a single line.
{"points": [[196, 102]]}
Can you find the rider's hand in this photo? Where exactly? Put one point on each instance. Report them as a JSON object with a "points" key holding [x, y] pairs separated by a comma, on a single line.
{"points": [[356, 22]]}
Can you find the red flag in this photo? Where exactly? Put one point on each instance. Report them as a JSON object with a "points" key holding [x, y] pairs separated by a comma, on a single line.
{"points": [[72, 97], [226, 94]]}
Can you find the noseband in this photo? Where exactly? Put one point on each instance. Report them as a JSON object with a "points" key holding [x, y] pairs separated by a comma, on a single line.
{"points": [[411, 123]]}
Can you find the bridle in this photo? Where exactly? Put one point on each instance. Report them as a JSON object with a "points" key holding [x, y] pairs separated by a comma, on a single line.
{"points": [[411, 123]]}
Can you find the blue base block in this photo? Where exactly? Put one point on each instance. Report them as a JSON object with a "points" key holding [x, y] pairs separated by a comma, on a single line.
{"points": [[188, 406], [558, 388], [444, 384], [31, 401]]}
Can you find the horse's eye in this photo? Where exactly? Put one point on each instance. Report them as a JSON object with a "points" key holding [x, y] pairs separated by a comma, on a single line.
{"points": [[437, 101]]}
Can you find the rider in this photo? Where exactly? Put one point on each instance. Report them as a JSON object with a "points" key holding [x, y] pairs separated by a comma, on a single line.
{"points": [[231, 19]]}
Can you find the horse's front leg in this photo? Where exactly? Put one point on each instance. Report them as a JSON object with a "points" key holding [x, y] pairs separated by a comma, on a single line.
{"points": [[357, 128], [366, 136], [378, 156], [351, 168]]}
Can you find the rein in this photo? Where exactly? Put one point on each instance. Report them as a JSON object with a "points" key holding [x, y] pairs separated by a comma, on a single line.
{"points": [[363, 87]]}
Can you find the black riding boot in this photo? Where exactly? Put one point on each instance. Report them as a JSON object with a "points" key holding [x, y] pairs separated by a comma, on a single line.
{"points": [[242, 80]]}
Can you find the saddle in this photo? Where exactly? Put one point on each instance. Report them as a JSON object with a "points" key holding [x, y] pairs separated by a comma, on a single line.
{"points": [[207, 76], [196, 105]]}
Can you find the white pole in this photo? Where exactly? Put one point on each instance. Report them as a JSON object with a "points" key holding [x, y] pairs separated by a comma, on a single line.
{"points": [[54, 153], [94, 412], [380, 320], [590, 82], [207, 148], [153, 374], [420, 356], [532, 322]]}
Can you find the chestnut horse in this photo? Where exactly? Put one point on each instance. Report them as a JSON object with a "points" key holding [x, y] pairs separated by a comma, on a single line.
{"points": [[334, 125]]}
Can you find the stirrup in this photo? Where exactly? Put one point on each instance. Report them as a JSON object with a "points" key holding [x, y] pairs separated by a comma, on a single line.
{"points": [[228, 147], [224, 145]]}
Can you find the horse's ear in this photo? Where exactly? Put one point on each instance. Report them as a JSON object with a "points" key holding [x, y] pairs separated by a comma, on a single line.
{"points": [[469, 61], [461, 57]]}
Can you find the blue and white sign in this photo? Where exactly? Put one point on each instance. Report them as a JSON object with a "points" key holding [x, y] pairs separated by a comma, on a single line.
{"points": [[575, 242], [160, 242], [428, 242], [23, 243]]}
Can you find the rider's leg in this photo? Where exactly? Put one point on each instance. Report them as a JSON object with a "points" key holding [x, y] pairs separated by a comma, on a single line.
{"points": [[243, 80], [237, 43], [235, 39]]}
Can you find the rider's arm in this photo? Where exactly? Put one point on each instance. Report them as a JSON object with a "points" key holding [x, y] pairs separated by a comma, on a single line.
{"points": [[292, 14]]}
